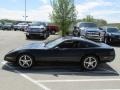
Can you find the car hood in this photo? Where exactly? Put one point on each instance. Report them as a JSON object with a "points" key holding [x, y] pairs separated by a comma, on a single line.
{"points": [[117, 33], [92, 29], [33, 45]]}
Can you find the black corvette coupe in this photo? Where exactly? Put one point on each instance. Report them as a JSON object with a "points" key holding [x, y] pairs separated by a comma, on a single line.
{"points": [[65, 49]]}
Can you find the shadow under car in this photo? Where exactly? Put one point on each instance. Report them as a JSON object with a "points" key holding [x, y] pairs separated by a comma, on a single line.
{"points": [[62, 69]]}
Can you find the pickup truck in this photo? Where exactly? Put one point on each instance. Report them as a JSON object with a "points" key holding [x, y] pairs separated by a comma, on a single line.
{"points": [[112, 34], [37, 29], [88, 30], [52, 28], [20, 26]]}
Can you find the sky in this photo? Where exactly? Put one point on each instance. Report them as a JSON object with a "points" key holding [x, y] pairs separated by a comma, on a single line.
{"points": [[40, 10]]}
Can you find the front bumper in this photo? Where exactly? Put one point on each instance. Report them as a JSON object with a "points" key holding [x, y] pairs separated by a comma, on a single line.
{"points": [[96, 38], [114, 39], [10, 58], [6, 27], [35, 34]]}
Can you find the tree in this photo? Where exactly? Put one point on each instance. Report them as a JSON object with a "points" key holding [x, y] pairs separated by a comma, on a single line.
{"points": [[88, 18], [100, 22], [63, 14]]}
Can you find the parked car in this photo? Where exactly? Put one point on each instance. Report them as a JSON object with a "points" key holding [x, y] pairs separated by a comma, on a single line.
{"points": [[21, 26], [1, 25], [112, 34], [52, 28], [7, 26], [37, 23], [88, 30], [35, 30], [65, 49]]}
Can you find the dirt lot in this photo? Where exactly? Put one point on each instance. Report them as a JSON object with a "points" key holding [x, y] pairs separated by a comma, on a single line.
{"points": [[53, 77]]}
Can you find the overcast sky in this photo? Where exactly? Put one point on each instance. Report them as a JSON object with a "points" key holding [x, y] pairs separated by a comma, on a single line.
{"points": [[39, 10]]}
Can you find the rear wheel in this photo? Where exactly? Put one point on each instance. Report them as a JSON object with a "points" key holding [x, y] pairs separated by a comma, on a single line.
{"points": [[89, 63], [25, 61]]}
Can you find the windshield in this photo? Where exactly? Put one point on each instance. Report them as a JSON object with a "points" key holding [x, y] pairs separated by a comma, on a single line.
{"points": [[37, 24], [90, 25], [53, 43], [112, 30]]}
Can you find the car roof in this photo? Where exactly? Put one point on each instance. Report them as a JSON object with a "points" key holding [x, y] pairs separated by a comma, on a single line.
{"points": [[74, 38], [41, 26], [79, 39]]}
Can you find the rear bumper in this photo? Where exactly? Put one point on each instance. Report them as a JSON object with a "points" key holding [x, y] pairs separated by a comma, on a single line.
{"points": [[107, 58]]}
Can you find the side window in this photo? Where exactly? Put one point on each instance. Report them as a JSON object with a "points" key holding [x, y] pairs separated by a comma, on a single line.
{"points": [[68, 44], [85, 45], [82, 45]]}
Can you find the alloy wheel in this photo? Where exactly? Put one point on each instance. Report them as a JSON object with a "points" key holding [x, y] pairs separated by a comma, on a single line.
{"points": [[90, 63], [25, 61]]}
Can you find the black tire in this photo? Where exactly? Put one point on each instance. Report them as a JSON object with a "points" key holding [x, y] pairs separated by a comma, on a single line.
{"points": [[25, 64], [28, 37], [76, 34], [107, 40], [53, 32], [89, 64], [45, 36]]}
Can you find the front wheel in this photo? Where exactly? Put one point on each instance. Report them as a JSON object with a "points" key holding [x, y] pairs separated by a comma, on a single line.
{"points": [[89, 63], [45, 36], [25, 61], [107, 40], [76, 34], [28, 37]]}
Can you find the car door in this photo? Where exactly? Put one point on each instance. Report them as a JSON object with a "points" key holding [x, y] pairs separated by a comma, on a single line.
{"points": [[67, 51]]}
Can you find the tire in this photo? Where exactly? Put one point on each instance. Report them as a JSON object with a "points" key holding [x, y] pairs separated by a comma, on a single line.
{"points": [[107, 40], [25, 61], [53, 32], [28, 37], [89, 63], [48, 34], [76, 34], [45, 36]]}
